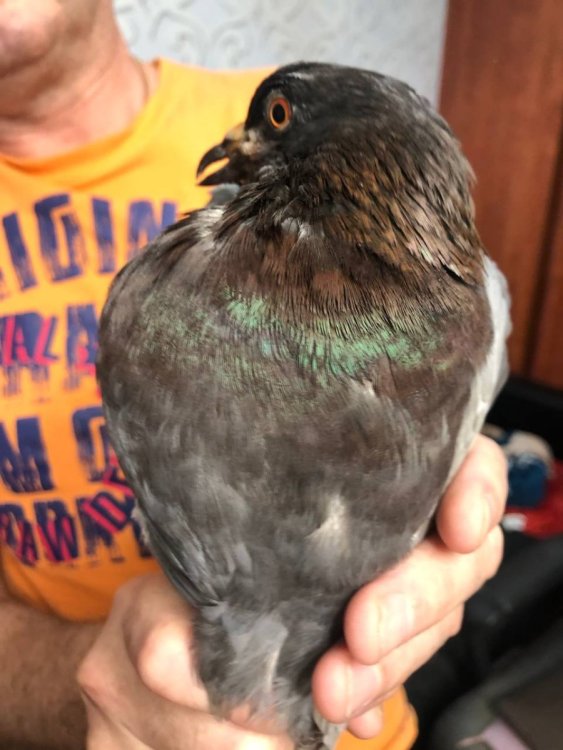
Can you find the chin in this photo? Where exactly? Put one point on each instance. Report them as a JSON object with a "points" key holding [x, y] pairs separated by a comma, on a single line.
{"points": [[29, 30]]}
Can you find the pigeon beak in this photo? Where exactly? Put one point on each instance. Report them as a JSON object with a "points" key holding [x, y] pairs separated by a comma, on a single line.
{"points": [[229, 148], [210, 157]]}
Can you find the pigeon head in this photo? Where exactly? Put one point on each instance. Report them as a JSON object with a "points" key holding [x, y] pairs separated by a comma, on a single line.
{"points": [[356, 144], [294, 111], [307, 107]]}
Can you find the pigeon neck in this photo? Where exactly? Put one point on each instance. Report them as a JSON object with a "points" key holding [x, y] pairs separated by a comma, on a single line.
{"points": [[412, 214]]}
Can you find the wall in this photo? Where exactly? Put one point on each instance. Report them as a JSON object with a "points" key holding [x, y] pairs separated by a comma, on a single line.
{"points": [[400, 37]]}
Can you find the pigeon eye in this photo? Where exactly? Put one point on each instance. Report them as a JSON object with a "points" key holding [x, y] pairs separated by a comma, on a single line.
{"points": [[279, 113]]}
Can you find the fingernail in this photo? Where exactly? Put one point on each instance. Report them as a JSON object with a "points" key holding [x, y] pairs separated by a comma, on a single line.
{"points": [[363, 686]]}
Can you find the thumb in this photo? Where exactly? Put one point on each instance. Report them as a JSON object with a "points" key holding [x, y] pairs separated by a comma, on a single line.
{"points": [[159, 641]]}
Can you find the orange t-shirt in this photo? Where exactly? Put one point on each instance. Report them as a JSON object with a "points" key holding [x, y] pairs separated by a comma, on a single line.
{"points": [[68, 535]]}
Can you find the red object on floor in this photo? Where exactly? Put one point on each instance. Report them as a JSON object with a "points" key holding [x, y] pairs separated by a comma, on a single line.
{"points": [[545, 520]]}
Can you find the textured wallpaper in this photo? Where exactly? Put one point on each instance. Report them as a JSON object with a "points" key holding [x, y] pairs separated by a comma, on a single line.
{"points": [[400, 37]]}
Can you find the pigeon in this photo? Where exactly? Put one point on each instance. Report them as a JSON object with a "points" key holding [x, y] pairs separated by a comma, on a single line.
{"points": [[291, 379]]}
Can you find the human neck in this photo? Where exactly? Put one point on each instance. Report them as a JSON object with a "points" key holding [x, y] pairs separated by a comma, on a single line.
{"points": [[62, 102]]}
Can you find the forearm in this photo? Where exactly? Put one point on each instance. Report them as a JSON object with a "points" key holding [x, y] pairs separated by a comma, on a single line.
{"points": [[39, 654]]}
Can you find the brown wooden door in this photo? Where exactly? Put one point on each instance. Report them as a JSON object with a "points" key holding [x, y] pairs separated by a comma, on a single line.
{"points": [[502, 92]]}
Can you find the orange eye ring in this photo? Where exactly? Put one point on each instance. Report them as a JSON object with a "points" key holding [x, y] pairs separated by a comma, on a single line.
{"points": [[280, 113]]}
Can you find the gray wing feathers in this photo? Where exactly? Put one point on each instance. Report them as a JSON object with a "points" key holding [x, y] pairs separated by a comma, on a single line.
{"points": [[492, 375]]}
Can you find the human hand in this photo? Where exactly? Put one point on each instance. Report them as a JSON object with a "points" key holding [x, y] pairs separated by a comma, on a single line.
{"points": [[395, 624], [140, 685]]}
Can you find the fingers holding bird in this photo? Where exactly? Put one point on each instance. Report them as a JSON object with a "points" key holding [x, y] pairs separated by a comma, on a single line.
{"points": [[390, 634], [397, 666], [353, 691], [393, 625]]}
